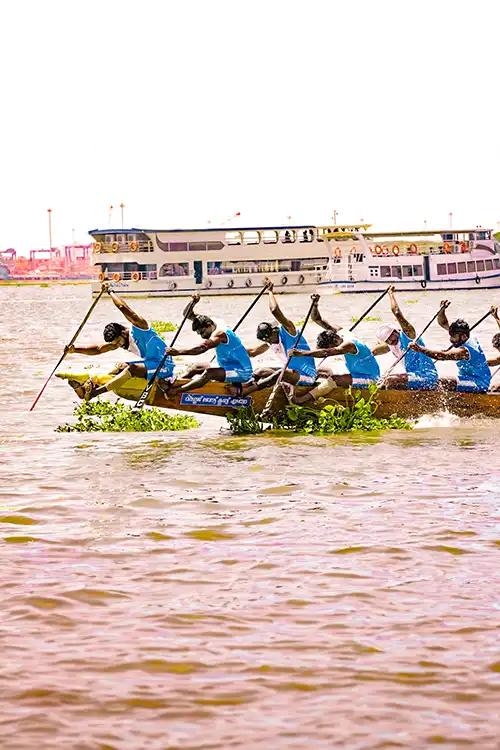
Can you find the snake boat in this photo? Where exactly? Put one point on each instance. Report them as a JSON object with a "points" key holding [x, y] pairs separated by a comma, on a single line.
{"points": [[215, 399]]}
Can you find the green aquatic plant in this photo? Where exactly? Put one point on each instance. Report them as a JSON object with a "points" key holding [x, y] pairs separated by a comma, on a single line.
{"points": [[163, 326], [105, 416], [373, 318], [358, 415]]}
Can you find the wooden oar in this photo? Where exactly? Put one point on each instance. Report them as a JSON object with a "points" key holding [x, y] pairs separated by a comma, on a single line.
{"points": [[94, 303], [270, 400], [147, 390], [369, 309], [431, 321], [480, 320]]}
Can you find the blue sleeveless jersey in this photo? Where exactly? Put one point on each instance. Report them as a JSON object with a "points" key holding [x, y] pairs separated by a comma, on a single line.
{"points": [[416, 363], [152, 348], [303, 365], [473, 373], [234, 358], [363, 364]]}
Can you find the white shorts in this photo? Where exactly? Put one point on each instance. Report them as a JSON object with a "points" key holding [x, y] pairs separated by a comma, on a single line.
{"points": [[361, 382], [306, 380]]}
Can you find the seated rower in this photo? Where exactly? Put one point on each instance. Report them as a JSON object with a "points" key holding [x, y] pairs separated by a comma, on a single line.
{"points": [[280, 339], [420, 371], [474, 375], [234, 365], [140, 340], [362, 365]]}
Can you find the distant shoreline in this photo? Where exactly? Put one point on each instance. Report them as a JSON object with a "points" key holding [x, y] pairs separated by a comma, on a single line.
{"points": [[42, 282]]}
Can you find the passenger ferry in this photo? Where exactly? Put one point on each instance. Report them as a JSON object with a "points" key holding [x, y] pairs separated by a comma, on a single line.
{"points": [[347, 258]]}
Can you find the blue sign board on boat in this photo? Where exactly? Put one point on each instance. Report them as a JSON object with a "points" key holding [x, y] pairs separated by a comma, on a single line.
{"points": [[215, 399]]}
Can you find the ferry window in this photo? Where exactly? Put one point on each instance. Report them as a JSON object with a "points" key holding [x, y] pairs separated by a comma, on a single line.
{"points": [[462, 268], [447, 237], [396, 271], [251, 238], [287, 235], [306, 235], [109, 238], [417, 271], [131, 238], [270, 237], [178, 247], [215, 267], [120, 238], [479, 265], [407, 271], [452, 267], [233, 238], [441, 269], [197, 247], [373, 270], [215, 245], [174, 269], [385, 271], [496, 261], [471, 266], [489, 265]]}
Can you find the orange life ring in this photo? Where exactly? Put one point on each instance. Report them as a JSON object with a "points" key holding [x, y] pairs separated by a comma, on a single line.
{"points": [[337, 252], [133, 246], [378, 250], [102, 276], [463, 247], [115, 246], [116, 277], [135, 276], [97, 247], [395, 249], [447, 247], [413, 249]]}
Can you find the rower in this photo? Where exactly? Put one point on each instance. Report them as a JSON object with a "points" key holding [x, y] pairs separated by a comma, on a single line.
{"points": [[140, 340], [474, 375], [234, 365], [280, 339], [420, 371], [362, 366]]}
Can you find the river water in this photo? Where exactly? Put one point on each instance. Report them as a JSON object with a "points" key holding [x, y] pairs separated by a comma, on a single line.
{"points": [[199, 591]]}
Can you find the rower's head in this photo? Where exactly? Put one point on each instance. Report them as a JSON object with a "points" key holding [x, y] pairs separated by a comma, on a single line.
{"points": [[116, 333], [328, 340], [459, 332], [496, 341], [203, 325], [268, 332], [388, 335]]}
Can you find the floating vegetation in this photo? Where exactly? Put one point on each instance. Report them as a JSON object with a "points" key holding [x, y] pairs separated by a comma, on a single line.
{"points": [[372, 318], [105, 416], [163, 326], [333, 418]]}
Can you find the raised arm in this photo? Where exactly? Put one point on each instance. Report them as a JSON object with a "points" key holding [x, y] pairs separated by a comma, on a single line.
{"points": [[132, 317], [442, 317], [396, 311], [278, 314], [316, 316]]}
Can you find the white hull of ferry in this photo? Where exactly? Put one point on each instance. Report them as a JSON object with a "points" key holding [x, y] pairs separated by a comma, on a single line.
{"points": [[353, 287]]}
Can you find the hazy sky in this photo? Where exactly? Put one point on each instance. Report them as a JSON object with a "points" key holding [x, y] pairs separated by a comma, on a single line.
{"points": [[186, 112]]}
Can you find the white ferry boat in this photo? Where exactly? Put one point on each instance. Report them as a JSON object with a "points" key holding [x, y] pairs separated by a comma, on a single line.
{"points": [[347, 258]]}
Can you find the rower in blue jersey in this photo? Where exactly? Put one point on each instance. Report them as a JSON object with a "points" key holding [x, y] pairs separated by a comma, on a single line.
{"points": [[140, 340], [280, 339], [362, 366], [473, 373], [234, 365], [420, 371]]}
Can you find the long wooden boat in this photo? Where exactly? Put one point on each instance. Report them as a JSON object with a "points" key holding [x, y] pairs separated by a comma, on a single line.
{"points": [[215, 398]]}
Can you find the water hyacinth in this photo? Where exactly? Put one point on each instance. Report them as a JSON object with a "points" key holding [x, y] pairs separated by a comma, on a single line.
{"points": [[105, 416], [163, 326]]}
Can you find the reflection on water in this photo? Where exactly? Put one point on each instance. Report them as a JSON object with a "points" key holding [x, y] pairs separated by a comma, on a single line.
{"points": [[204, 591]]}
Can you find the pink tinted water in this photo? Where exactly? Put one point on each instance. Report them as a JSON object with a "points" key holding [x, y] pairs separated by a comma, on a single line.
{"points": [[194, 590]]}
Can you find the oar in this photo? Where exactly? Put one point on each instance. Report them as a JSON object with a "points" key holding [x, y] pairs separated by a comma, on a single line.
{"points": [[480, 320], [431, 321], [270, 400], [94, 303], [147, 390], [240, 321]]}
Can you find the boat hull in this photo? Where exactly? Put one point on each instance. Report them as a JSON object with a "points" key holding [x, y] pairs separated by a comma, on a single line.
{"points": [[215, 399]]}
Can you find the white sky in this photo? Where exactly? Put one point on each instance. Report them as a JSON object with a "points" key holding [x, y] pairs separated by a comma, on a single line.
{"points": [[385, 110]]}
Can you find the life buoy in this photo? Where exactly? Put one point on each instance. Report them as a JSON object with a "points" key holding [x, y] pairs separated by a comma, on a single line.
{"points": [[102, 276], [447, 247], [395, 249], [301, 279], [378, 250], [477, 279], [230, 283], [463, 247], [337, 252], [133, 246], [423, 283], [248, 282], [284, 280], [135, 276], [208, 284], [116, 277], [172, 286], [115, 246], [413, 249], [97, 247]]}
